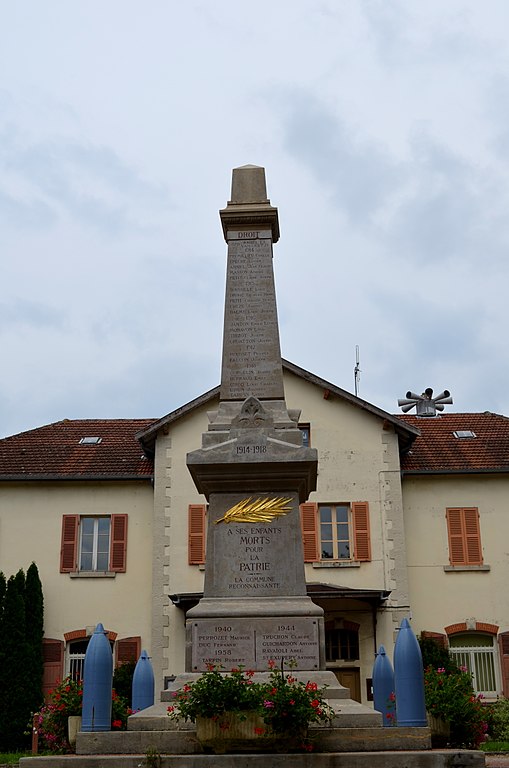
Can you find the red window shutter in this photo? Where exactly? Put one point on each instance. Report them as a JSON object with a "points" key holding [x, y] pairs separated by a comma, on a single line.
{"points": [[196, 534], [361, 531], [127, 649], [53, 664], [118, 543], [309, 525], [464, 536], [69, 544], [503, 645]]}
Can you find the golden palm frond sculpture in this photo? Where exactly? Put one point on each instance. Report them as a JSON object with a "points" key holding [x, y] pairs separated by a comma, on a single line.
{"points": [[256, 510]]}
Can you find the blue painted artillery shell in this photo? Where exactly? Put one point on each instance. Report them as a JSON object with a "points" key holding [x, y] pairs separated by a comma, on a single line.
{"points": [[143, 683], [409, 679], [383, 686], [97, 683]]}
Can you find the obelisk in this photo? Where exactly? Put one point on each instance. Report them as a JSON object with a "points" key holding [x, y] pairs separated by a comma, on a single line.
{"points": [[253, 470]]}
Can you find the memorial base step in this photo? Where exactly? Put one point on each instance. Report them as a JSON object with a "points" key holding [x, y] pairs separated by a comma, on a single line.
{"points": [[385, 759]]}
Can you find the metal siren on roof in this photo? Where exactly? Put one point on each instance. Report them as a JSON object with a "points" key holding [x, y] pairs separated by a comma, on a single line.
{"points": [[425, 404]]}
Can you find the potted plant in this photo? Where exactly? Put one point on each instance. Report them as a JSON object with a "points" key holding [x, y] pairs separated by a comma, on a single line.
{"points": [[58, 721], [234, 713]]}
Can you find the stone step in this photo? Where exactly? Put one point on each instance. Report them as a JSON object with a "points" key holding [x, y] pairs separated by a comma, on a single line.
{"points": [[385, 759], [349, 714], [326, 739]]}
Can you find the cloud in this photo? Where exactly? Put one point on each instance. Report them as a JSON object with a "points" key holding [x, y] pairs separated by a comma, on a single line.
{"points": [[23, 312], [57, 177], [358, 175]]}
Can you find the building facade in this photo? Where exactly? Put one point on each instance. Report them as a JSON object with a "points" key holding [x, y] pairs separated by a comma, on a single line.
{"points": [[408, 520]]}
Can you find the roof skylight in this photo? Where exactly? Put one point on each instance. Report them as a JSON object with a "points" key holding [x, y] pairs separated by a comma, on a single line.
{"points": [[464, 434], [90, 440]]}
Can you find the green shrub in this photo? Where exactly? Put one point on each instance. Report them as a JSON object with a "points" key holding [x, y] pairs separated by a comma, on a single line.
{"points": [[123, 680], [498, 722], [450, 696]]}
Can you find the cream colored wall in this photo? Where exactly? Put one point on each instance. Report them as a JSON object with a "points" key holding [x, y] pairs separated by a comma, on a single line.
{"points": [[441, 598], [174, 490], [30, 530]]}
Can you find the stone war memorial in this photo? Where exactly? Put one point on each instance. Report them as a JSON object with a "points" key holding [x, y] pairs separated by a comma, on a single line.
{"points": [[254, 471]]}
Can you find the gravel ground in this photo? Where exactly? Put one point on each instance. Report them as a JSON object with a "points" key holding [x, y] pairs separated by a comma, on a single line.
{"points": [[497, 761]]}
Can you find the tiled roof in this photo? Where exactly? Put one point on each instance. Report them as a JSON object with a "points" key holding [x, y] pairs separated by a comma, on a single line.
{"points": [[438, 450], [55, 451]]}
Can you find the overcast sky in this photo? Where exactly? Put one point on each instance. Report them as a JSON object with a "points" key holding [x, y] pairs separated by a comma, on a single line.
{"points": [[383, 126]]}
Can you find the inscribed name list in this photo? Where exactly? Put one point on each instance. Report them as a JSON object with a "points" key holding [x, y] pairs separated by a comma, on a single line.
{"points": [[253, 642], [251, 350]]}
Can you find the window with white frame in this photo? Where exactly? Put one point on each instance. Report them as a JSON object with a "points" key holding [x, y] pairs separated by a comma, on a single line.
{"points": [[334, 522], [94, 551], [477, 654]]}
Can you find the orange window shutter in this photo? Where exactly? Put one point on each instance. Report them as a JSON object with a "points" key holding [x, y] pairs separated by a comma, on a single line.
{"points": [[472, 536], [361, 531], [464, 536], [53, 662], [118, 543], [309, 525], [196, 534], [69, 544], [127, 649], [455, 532], [503, 645]]}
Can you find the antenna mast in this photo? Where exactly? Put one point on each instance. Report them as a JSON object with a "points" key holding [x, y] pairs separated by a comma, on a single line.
{"points": [[356, 370]]}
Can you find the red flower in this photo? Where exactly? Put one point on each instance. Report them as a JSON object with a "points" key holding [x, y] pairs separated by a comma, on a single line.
{"points": [[259, 731], [117, 724], [311, 686], [315, 703]]}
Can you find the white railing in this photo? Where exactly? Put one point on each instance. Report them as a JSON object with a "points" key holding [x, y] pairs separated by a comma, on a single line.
{"points": [[480, 663], [76, 662]]}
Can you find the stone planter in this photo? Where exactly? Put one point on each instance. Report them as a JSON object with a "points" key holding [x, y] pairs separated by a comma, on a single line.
{"points": [[73, 727], [230, 734]]}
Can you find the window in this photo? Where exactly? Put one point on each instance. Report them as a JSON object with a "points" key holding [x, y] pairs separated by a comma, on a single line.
{"points": [[75, 658], [306, 435], [341, 644], [476, 652], [93, 544], [464, 536], [336, 532]]}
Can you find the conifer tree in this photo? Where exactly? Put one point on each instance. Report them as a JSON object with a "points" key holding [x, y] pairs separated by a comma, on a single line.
{"points": [[3, 587], [34, 622], [13, 708]]}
